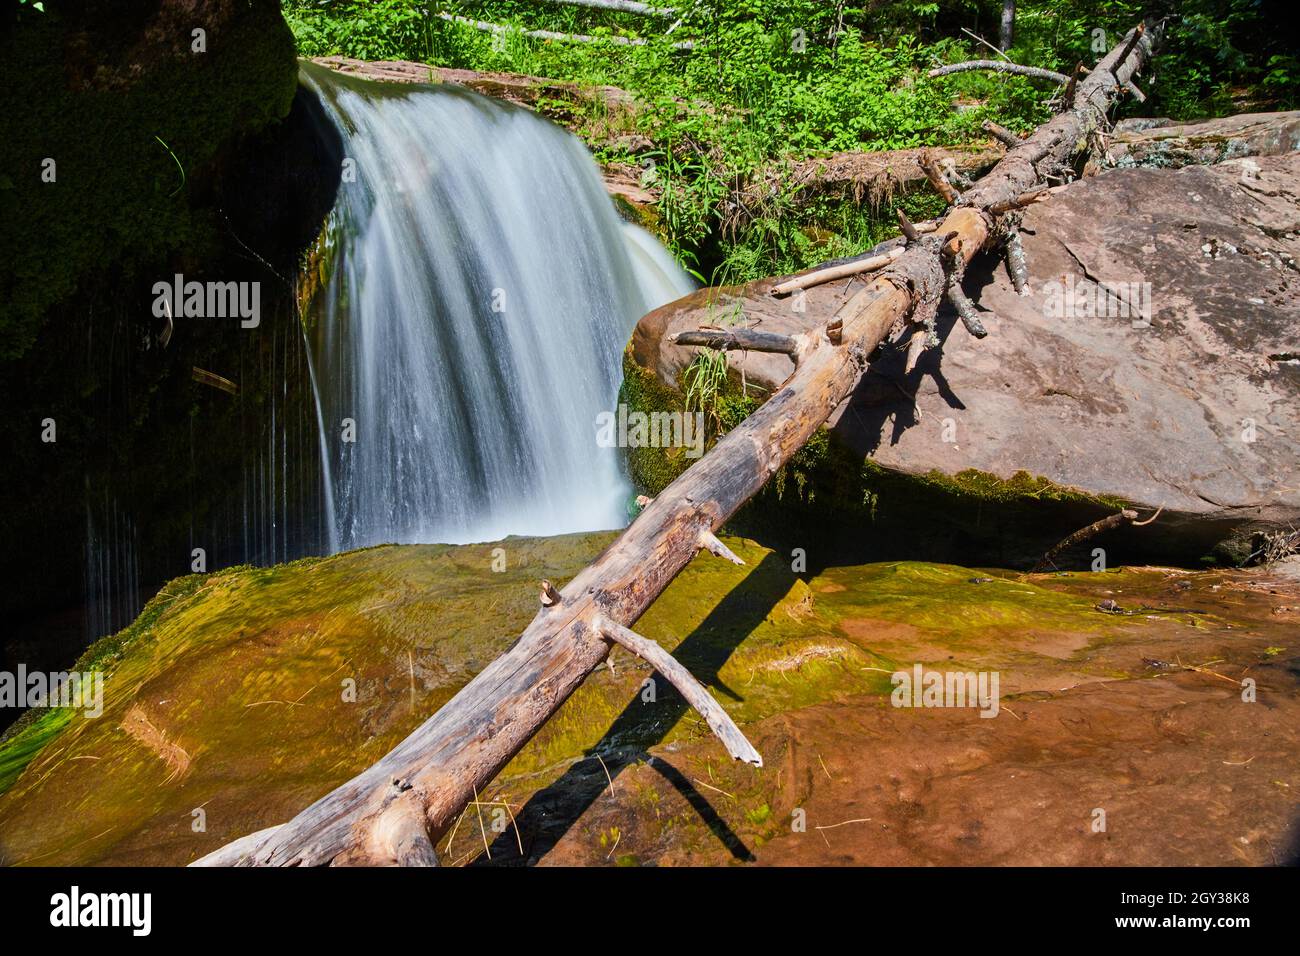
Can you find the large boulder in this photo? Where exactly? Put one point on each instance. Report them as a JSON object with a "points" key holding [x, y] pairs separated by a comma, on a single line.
{"points": [[1181, 393]]}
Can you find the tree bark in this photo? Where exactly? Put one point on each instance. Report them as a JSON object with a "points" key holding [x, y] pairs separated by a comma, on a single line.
{"points": [[1006, 29], [442, 766]]}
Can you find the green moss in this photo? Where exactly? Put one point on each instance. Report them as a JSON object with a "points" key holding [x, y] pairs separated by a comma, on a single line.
{"points": [[652, 469], [24, 739], [244, 669]]}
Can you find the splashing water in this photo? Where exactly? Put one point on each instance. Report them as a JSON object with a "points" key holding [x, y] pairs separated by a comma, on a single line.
{"points": [[472, 327]]}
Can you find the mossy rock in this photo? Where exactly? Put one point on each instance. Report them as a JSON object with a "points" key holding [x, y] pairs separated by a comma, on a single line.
{"points": [[240, 697]]}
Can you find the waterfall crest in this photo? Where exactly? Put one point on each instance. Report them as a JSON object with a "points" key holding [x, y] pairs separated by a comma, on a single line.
{"points": [[482, 288]]}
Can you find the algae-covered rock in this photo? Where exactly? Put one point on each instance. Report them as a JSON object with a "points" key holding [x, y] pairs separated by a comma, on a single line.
{"points": [[240, 697]]}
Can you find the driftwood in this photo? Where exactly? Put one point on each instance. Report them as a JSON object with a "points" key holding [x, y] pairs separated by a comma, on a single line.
{"points": [[437, 771]]}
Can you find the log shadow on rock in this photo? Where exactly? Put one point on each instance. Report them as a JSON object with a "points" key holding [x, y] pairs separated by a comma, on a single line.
{"points": [[551, 812], [888, 389]]}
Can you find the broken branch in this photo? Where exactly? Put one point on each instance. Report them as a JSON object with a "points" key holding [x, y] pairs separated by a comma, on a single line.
{"points": [[752, 340], [1001, 134], [842, 271], [937, 179], [718, 720], [1108, 523]]}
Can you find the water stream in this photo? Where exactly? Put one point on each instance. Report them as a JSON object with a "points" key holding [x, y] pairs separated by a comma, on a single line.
{"points": [[471, 329]]}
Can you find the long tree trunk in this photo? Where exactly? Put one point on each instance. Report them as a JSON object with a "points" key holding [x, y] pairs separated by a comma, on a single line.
{"points": [[1006, 29], [397, 809]]}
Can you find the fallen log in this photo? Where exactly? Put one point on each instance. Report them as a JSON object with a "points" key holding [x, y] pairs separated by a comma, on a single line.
{"points": [[500, 30], [621, 6], [1203, 144], [439, 769]]}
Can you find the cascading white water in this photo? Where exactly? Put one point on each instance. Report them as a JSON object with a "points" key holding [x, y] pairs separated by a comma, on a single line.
{"points": [[482, 290]]}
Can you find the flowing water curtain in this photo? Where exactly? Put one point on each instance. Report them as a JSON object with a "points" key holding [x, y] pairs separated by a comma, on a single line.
{"points": [[471, 330]]}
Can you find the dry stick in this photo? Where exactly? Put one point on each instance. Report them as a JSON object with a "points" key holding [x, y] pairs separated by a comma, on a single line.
{"points": [[654, 655], [1134, 37], [976, 36], [846, 270], [1137, 93], [998, 66], [1124, 516], [820, 276], [1001, 134], [1017, 266], [467, 742], [751, 340]]}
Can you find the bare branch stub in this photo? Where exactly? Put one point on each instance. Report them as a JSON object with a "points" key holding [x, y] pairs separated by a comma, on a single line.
{"points": [[955, 267], [1067, 98], [905, 225], [937, 178], [1017, 265], [1003, 135]]}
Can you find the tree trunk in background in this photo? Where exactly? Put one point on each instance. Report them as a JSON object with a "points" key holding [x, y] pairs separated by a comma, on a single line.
{"points": [[1007, 29]]}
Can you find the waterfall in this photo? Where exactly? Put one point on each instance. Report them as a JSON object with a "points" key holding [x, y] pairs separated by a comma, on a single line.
{"points": [[480, 293]]}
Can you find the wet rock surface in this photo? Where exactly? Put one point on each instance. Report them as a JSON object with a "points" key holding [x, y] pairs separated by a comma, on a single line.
{"points": [[231, 697]]}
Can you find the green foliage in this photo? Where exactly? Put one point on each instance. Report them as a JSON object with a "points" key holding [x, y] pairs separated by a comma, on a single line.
{"points": [[771, 81]]}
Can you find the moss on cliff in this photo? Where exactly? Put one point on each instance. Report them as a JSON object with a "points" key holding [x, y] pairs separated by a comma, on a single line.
{"points": [[112, 133]]}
